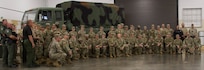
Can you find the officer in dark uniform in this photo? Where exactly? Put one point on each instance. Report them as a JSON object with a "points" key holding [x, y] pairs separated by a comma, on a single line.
{"points": [[29, 45], [179, 32], [11, 38], [3, 42]]}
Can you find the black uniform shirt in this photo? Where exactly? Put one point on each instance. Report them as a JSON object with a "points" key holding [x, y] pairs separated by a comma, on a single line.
{"points": [[26, 32]]}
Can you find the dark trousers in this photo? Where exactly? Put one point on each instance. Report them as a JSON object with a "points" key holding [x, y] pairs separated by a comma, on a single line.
{"points": [[30, 52]]}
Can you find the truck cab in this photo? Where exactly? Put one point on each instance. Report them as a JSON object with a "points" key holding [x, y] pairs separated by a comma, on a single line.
{"points": [[44, 15]]}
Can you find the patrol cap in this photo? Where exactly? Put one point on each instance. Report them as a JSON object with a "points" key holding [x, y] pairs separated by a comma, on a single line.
{"points": [[126, 26], [63, 25], [47, 24], [57, 35]]}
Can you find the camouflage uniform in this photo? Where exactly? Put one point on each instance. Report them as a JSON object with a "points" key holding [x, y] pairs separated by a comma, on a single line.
{"points": [[84, 48], [64, 31], [168, 43], [159, 45], [96, 46], [127, 46], [112, 45], [56, 53], [197, 43], [131, 40], [152, 32], [193, 32], [139, 45], [48, 38], [74, 45], [64, 43], [188, 45], [73, 32], [120, 46], [145, 32], [151, 43], [119, 30], [39, 44], [91, 37], [112, 32], [103, 44], [101, 32], [177, 44]]}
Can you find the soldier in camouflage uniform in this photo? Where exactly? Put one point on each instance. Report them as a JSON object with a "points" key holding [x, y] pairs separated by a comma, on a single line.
{"points": [[126, 45], [168, 43], [177, 44], [188, 45], [152, 31], [197, 44], [139, 45], [138, 31], [159, 44], [145, 31], [119, 45], [131, 30], [112, 45], [131, 40], [163, 31], [169, 29], [193, 31], [104, 45], [91, 37], [64, 43], [158, 31], [39, 44], [96, 45], [73, 32], [119, 29], [112, 31], [91, 33], [64, 29], [126, 31], [146, 45], [81, 33], [48, 38], [84, 47], [74, 45], [101, 32], [151, 43], [184, 30], [56, 53]]}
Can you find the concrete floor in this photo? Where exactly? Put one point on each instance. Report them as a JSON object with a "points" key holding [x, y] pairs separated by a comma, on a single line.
{"points": [[138, 62]]}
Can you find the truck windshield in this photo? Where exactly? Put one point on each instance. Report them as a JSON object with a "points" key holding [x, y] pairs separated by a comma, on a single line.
{"points": [[29, 15]]}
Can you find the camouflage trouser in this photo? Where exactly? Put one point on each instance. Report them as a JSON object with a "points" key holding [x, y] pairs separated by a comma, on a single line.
{"points": [[198, 50], [190, 50], [97, 52], [131, 49], [45, 47], [58, 56], [173, 49], [159, 49], [147, 50], [138, 50], [39, 51], [112, 51], [168, 48], [154, 49], [118, 51], [84, 52], [103, 49], [75, 54], [126, 50]]}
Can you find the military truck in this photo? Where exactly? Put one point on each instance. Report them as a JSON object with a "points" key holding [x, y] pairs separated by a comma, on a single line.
{"points": [[73, 13]]}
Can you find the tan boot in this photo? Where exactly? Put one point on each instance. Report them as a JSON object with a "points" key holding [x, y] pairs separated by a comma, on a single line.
{"points": [[56, 64]]}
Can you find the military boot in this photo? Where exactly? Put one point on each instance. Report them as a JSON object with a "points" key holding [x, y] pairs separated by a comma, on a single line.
{"points": [[56, 64]]}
